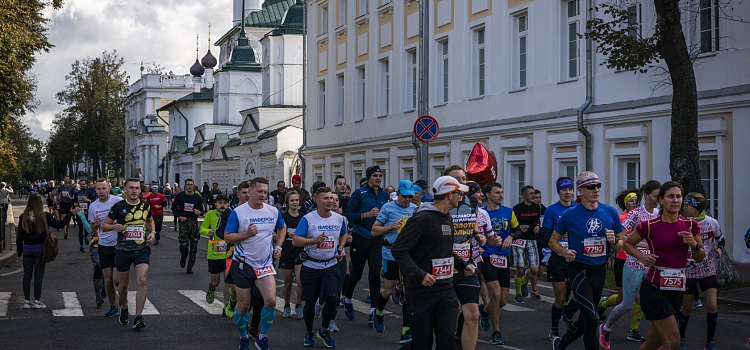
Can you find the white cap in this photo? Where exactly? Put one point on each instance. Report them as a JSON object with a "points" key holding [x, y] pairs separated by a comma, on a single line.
{"points": [[448, 184], [394, 196]]}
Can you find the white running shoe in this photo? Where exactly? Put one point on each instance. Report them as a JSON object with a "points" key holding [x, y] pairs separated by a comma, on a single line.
{"points": [[38, 305]]}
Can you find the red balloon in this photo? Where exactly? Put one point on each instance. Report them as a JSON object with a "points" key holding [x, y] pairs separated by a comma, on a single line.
{"points": [[481, 166]]}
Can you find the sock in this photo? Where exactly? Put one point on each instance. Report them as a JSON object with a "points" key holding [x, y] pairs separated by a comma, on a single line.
{"points": [[460, 326], [266, 319], [241, 321], [232, 296], [320, 301], [405, 313], [682, 322], [347, 300], [610, 302], [606, 328], [570, 309], [517, 281], [372, 310], [382, 302], [635, 316], [556, 315], [404, 330], [526, 277], [711, 320]]}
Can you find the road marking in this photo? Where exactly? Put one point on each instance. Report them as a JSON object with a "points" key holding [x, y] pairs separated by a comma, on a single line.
{"points": [[516, 308], [148, 308], [199, 298], [72, 306], [4, 299]]}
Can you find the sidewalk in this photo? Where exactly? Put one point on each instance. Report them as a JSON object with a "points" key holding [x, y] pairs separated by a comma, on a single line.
{"points": [[9, 254], [739, 295]]}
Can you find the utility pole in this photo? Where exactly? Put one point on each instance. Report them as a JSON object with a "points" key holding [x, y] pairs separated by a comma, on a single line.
{"points": [[424, 76]]}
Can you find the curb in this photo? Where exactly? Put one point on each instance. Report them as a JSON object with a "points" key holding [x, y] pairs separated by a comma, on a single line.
{"points": [[733, 301], [7, 257]]}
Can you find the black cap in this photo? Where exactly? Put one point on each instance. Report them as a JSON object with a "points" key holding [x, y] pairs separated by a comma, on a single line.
{"points": [[221, 196], [318, 186], [422, 183], [372, 170]]}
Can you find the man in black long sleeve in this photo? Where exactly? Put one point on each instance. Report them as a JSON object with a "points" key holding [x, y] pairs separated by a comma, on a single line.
{"points": [[188, 206], [424, 252]]}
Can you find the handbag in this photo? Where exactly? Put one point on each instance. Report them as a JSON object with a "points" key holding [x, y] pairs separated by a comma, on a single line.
{"points": [[50, 247]]}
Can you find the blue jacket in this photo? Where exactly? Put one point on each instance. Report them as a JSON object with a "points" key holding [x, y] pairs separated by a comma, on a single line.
{"points": [[363, 200]]}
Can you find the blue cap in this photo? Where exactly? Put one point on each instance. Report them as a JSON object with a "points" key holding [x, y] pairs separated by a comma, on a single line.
{"points": [[417, 188], [406, 188]]}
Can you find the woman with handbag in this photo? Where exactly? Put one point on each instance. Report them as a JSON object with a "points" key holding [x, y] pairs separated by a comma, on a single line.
{"points": [[33, 230]]}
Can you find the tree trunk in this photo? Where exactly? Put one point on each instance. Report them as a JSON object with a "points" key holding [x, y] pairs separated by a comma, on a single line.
{"points": [[683, 148]]}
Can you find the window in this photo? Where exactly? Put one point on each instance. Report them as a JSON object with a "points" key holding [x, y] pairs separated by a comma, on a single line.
{"points": [[519, 180], [341, 102], [569, 169], [571, 40], [479, 62], [362, 7], [710, 182], [324, 20], [634, 20], [632, 173], [321, 104], [411, 80], [361, 91], [521, 33], [708, 20], [385, 88], [442, 90], [342, 12]]}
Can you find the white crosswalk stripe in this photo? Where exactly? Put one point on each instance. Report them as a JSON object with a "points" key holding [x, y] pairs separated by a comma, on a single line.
{"points": [[198, 297], [71, 304], [4, 298], [148, 308]]}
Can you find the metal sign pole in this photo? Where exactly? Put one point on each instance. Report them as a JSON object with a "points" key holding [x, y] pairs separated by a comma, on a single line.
{"points": [[424, 75]]}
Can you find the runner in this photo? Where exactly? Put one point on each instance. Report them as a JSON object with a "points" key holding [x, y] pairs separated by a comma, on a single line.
{"points": [[84, 197], [243, 195], [157, 202], [542, 247], [592, 228], [557, 273], [188, 206], [525, 248], [669, 237], [289, 254], [364, 206], [634, 271], [251, 227], [67, 193], [131, 218], [217, 247], [322, 233], [50, 195], [424, 252], [494, 267], [297, 186], [704, 273], [105, 241], [213, 195], [390, 220], [341, 193]]}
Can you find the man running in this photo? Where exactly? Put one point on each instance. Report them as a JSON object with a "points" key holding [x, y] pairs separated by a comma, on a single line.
{"points": [[251, 227], [131, 218], [188, 206], [84, 197], [390, 220], [213, 194], [217, 247], [67, 194], [107, 241], [297, 186], [340, 184], [322, 233], [525, 249], [243, 195], [157, 201]]}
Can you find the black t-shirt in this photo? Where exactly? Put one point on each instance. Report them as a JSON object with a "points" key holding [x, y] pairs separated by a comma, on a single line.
{"points": [[528, 215], [184, 204], [291, 223], [133, 219], [277, 199]]}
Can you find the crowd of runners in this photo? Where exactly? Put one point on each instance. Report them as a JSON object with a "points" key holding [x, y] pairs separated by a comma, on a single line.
{"points": [[445, 253]]}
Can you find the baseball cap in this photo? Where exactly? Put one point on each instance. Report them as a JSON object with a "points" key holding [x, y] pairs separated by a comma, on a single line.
{"points": [[418, 188], [222, 197], [296, 178], [406, 188], [318, 186], [393, 196], [447, 184]]}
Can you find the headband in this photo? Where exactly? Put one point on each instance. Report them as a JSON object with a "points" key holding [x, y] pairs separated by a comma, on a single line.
{"points": [[694, 203], [628, 197], [589, 181], [563, 184]]}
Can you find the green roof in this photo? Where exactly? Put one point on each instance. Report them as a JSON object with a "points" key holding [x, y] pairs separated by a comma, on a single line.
{"points": [[180, 143], [206, 95], [272, 132], [270, 14], [222, 138], [209, 146], [233, 142]]}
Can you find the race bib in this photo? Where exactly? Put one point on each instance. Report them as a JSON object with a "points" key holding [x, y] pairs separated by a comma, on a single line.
{"points": [[189, 207], [83, 205], [214, 196], [64, 193], [463, 251], [564, 244], [221, 246], [442, 268], [672, 279], [499, 261], [264, 271], [520, 243], [328, 244], [595, 247], [134, 233], [644, 251]]}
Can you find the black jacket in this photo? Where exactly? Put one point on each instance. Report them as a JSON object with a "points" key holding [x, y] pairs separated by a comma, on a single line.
{"points": [[27, 238], [427, 235]]}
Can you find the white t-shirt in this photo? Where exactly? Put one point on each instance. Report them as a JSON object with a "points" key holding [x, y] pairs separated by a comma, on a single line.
{"points": [[99, 209], [257, 251], [312, 226]]}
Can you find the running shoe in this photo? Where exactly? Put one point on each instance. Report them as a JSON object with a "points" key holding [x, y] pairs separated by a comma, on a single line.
{"points": [[65, 235], [525, 289], [82, 250], [228, 311], [519, 299], [112, 311], [27, 304], [600, 310], [99, 301], [406, 337], [138, 322], [325, 336], [633, 335], [566, 322], [156, 242], [484, 318], [183, 260], [262, 344], [252, 332], [318, 309], [287, 311], [369, 299], [683, 345], [379, 323], [535, 295], [371, 318], [556, 343], [309, 339], [697, 304], [38, 305], [333, 327], [190, 271], [396, 296], [349, 310], [497, 339], [604, 337], [86, 240], [244, 343], [210, 296], [553, 333], [298, 310], [124, 316], [711, 346]]}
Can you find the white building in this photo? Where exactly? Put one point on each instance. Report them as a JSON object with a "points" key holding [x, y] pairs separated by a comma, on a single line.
{"points": [[511, 74]]}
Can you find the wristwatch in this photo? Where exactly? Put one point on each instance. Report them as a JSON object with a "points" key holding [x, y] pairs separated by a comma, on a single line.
{"points": [[697, 247], [278, 246]]}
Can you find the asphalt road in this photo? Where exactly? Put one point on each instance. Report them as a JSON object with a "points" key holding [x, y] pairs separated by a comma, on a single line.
{"points": [[175, 321]]}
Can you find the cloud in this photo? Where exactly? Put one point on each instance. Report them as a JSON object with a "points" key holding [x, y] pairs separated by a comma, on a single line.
{"points": [[161, 31]]}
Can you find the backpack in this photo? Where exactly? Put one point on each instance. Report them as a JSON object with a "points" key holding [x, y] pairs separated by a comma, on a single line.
{"points": [[50, 248]]}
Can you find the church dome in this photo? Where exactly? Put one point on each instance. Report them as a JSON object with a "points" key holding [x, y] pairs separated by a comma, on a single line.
{"points": [[197, 70], [208, 61]]}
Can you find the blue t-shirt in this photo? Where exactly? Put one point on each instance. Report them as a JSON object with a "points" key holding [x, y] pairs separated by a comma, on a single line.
{"points": [[390, 213], [586, 231], [502, 220], [552, 216]]}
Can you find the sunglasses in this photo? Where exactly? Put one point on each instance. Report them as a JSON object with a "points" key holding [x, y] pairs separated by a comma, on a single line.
{"points": [[593, 187], [408, 197], [377, 175]]}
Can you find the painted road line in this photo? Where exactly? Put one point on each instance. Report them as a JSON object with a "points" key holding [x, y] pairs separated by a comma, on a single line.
{"points": [[199, 298], [516, 308], [72, 306], [4, 299], [148, 308]]}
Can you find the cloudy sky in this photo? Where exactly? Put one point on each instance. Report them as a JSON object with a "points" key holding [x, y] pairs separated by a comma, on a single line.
{"points": [[153, 30]]}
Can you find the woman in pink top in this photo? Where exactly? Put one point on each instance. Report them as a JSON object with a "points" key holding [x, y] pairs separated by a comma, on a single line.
{"points": [[669, 237]]}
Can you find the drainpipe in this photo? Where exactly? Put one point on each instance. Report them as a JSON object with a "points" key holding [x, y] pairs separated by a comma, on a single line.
{"points": [[187, 137], [589, 89], [304, 97]]}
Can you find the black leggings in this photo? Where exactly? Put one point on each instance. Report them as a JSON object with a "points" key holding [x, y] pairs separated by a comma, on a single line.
{"points": [[586, 282], [329, 311], [434, 315], [33, 265], [81, 231], [364, 250]]}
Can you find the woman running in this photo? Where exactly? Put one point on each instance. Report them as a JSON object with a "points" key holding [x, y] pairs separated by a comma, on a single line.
{"points": [[669, 239], [704, 273], [289, 254]]}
